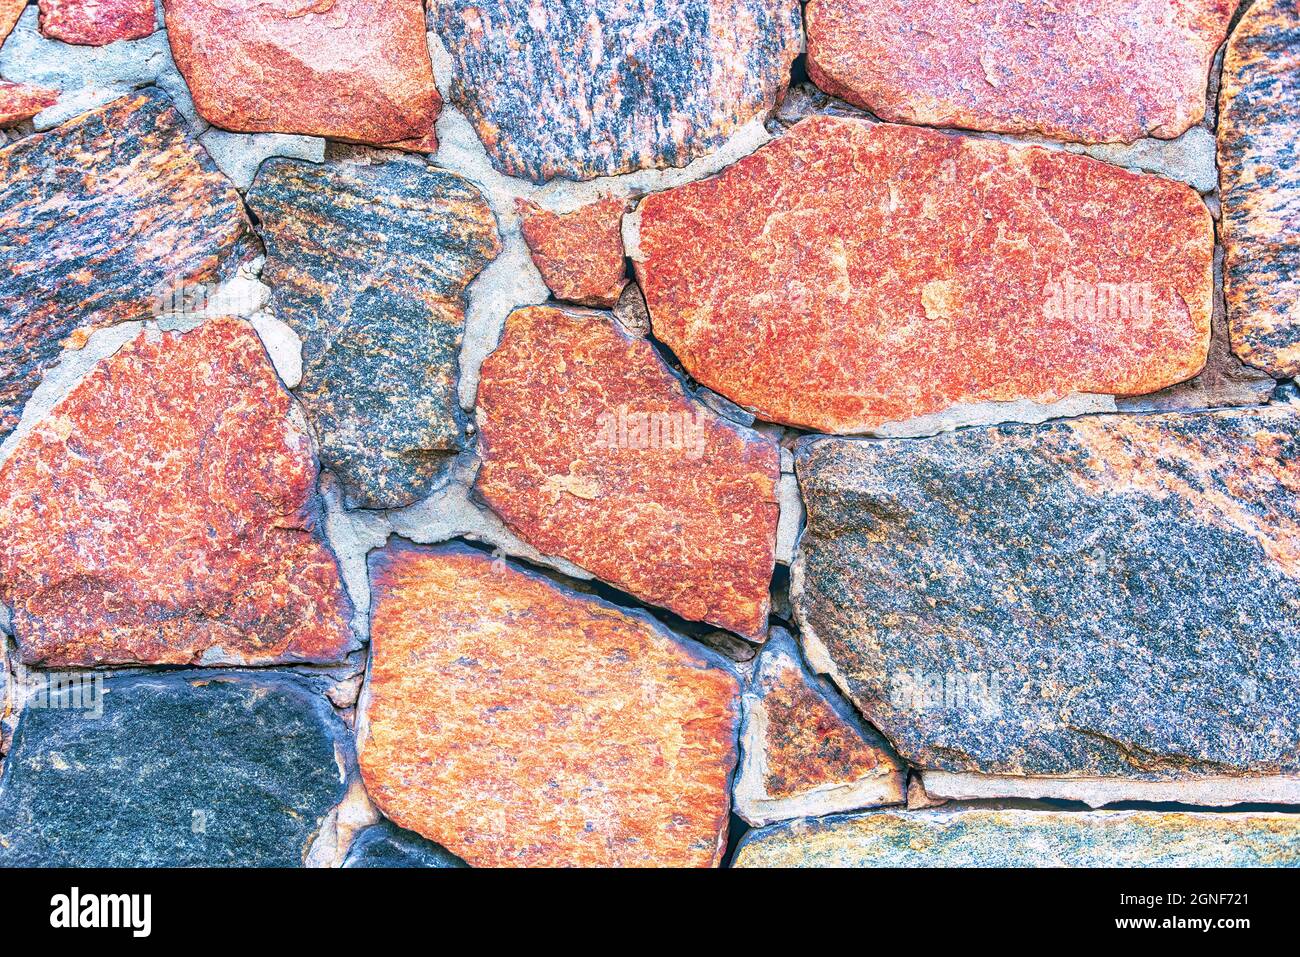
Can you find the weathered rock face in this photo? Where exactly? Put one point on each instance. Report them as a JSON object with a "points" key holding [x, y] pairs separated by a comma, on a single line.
{"points": [[593, 450], [346, 69], [804, 751], [386, 845], [19, 102], [995, 838], [640, 83], [1108, 596], [180, 770], [842, 277], [369, 266], [516, 722], [1093, 71], [165, 512], [96, 22], [1259, 181], [579, 254], [64, 196], [10, 11]]}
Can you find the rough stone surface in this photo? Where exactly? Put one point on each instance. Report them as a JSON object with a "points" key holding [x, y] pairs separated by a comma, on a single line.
{"points": [[1109, 596], [1095, 71], [96, 23], [238, 155], [386, 845], [1259, 175], [369, 264], [345, 69], [803, 750], [64, 197], [10, 11], [593, 450], [1012, 838], [19, 102], [165, 512], [580, 253], [850, 274], [640, 83], [181, 770], [516, 722]]}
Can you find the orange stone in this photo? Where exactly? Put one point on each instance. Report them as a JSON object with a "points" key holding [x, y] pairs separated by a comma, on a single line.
{"points": [[852, 274], [19, 102], [516, 722], [96, 22], [165, 512], [10, 11], [579, 254], [1090, 71], [592, 449]]}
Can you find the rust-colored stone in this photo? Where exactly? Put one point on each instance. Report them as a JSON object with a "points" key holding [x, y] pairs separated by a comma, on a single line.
{"points": [[10, 11], [516, 722], [1091, 71], [579, 254], [593, 450], [354, 70], [96, 23], [19, 102], [164, 512], [852, 274]]}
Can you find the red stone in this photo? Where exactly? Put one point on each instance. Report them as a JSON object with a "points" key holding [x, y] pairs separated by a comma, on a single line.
{"points": [[593, 450], [1093, 71], [96, 23], [165, 512], [579, 254], [355, 70], [851, 274], [518, 723], [10, 11], [19, 102]]}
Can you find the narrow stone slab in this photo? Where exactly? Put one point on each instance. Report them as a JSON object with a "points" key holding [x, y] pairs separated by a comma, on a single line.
{"points": [[96, 23], [347, 69], [593, 450], [850, 275], [19, 102], [1259, 185], [179, 770], [580, 253], [994, 838], [1113, 596], [165, 512], [516, 722], [1097, 792], [641, 83], [64, 196], [369, 266], [387, 845], [1093, 71]]}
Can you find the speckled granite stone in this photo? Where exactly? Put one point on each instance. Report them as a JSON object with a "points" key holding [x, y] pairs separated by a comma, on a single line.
{"points": [[1259, 182], [387, 845], [96, 22], [579, 253], [369, 266], [10, 11], [19, 101], [1107, 596], [181, 770], [586, 88]]}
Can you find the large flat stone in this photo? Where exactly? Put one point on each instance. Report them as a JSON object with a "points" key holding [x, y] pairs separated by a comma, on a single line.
{"points": [[593, 450], [165, 512], [180, 770], [1113, 596], [1259, 183], [640, 84], [516, 722], [1093, 71], [369, 264], [851, 275], [96, 23], [64, 199], [995, 838]]}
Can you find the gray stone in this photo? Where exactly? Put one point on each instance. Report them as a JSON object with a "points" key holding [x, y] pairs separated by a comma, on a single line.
{"points": [[387, 845]]}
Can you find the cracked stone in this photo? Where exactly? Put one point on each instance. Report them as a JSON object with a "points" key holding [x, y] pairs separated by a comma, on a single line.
{"points": [[19, 102], [369, 265], [387, 845], [517, 722], [165, 512], [841, 278], [96, 22], [579, 254], [593, 450]]}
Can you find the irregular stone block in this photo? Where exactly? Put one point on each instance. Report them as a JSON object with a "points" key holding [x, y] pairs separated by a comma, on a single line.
{"points": [[180, 770], [641, 83], [579, 254], [96, 22], [1259, 185], [593, 450], [165, 512], [516, 722], [64, 196], [851, 275], [1093, 71], [19, 102], [349, 69], [369, 264], [998, 838], [804, 751], [10, 11], [1113, 596], [387, 845]]}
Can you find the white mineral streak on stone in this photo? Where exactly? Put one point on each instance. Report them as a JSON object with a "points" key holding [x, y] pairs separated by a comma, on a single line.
{"points": [[283, 346], [792, 517], [238, 155], [1098, 792], [964, 415], [352, 815]]}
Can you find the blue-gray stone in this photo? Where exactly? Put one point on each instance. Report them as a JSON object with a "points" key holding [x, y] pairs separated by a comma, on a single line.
{"points": [[387, 845]]}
